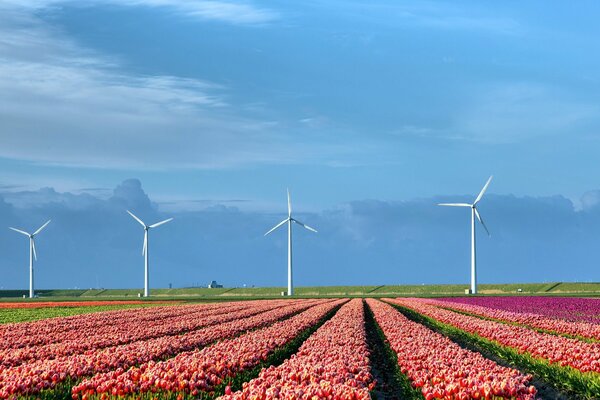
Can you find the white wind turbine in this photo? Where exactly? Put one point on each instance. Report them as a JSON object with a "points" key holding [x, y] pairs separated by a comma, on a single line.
{"points": [[289, 221], [32, 253], [474, 214], [145, 248]]}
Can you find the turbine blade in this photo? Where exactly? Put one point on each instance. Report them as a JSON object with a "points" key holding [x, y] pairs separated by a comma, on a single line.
{"points": [[41, 227], [483, 190], [160, 223], [20, 231], [289, 204], [455, 204], [305, 226], [481, 220], [145, 243], [277, 226], [137, 219], [33, 247]]}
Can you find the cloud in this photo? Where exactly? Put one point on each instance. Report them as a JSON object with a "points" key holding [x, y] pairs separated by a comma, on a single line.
{"points": [[62, 104], [359, 242], [509, 112], [234, 12], [243, 13], [590, 200], [9, 187], [130, 195], [47, 195], [452, 17], [441, 16], [170, 204]]}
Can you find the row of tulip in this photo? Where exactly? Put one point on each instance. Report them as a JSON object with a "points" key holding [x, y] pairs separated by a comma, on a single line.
{"points": [[566, 308], [130, 331], [441, 368], [203, 370], [582, 329], [45, 304], [333, 363], [22, 315], [27, 379], [58, 329], [558, 350]]}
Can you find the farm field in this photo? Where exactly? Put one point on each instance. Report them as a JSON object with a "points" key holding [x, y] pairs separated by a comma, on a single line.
{"points": [[340, 348], [32, 311], [508, 289]]}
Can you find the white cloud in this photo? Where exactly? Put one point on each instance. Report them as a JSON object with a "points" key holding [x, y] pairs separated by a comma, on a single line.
{"points": [[235, 12], [446, 16], [512, 112], [226, 11], [62, 104]]}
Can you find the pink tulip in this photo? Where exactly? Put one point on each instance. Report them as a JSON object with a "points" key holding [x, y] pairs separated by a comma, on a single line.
{"points": [[555, 349], [76, 366], [332, 364]]}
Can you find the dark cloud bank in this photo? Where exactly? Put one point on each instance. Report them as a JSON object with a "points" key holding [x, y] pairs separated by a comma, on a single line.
{"points": [[92, 242]]}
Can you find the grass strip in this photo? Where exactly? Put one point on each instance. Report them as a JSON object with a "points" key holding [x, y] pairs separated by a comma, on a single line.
{"points": [[391, 383], [577, 384]]}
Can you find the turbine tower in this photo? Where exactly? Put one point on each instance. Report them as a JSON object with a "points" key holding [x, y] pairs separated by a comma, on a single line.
{"points": [[289, 221], [474, 214], [32, 253], [145, 248]]}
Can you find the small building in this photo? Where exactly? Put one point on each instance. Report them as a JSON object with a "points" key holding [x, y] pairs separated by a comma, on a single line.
{"points": [[214, 285]]}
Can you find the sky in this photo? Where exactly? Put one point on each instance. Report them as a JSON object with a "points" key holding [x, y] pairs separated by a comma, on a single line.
{"points": [[369, 112]]}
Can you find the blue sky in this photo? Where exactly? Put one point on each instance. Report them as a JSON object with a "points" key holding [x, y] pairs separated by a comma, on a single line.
{"points": [[363, 109]]}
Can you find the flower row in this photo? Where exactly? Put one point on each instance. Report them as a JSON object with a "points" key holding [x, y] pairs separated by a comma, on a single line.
{"points": [[90, 303], [202, 370], [555, 349], [333, 363], [55, 330], [33, 377], [130, 331], [583, 329], [441, 368], [567, 308]]}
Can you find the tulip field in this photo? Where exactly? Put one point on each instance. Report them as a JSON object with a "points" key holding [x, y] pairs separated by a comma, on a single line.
{"points": [[22, 312], [388, 348]]}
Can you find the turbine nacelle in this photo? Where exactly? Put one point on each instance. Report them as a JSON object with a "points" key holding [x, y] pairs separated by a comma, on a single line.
{"points": [[31, 236], [147, 228], [473, 206]]}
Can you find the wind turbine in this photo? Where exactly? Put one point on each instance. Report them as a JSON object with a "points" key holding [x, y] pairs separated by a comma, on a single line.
{"points": [[145, 248], [289, 221], [32, 253], [474, 214]]}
